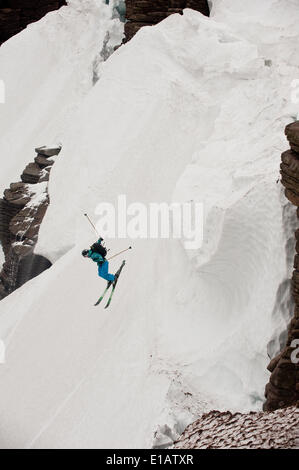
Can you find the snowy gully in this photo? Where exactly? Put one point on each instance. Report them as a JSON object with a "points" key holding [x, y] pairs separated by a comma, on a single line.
{"points": [[153, 459]]}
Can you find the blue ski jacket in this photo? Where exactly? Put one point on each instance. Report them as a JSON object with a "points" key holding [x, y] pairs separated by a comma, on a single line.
{"points": [[103, 265], [96, 257]]}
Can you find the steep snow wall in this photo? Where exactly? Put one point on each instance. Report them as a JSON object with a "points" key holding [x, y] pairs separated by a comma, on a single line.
{"points": [[47, 69], [193, 108]]}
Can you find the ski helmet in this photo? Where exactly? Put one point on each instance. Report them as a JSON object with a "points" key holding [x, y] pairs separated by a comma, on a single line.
{"points": [[85, 253]]}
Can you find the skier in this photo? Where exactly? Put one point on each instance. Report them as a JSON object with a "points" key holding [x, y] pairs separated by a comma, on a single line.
{"points": [[97, 253]]}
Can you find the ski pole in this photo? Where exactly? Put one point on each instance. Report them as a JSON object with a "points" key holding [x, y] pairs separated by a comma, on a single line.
{"points": [[117, 254], [86, 215]]}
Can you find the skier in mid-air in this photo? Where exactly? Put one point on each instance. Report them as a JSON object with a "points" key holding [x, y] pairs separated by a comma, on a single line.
{"points": [[97, 253]]}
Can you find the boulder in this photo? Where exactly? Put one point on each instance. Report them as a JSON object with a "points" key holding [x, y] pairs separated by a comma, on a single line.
{"points": [[43, 161], [31, 174], [48, 151]]}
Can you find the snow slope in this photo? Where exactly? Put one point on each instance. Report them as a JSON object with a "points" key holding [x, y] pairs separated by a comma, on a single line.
{"points": [[193, 108], [47, 70]]}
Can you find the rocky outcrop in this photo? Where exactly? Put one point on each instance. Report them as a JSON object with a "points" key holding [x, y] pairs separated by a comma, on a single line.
{"points": [[15, 15], [22, 210], [216, 430], [283, 386], [146, 12]]}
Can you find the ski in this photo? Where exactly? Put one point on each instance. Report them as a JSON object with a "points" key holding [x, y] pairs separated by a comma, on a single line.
{"points": [[114, 283], [103, 295]]}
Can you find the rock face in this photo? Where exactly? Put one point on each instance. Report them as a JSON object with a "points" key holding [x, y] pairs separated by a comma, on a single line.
{"points": [[283, 387], [216, 430], [15, 15], [146, 12], [22, 210]]}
